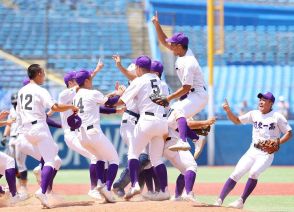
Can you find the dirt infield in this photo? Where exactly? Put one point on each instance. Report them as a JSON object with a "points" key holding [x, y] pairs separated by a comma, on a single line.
{"points": [[199, 189], [33, 205], [60, 202]]}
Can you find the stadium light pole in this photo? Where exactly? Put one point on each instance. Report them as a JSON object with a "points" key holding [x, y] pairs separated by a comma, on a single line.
{"points": [[210, 61], [211, 50]]}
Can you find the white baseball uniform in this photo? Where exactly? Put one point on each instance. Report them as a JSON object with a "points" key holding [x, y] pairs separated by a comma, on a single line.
{"points": [[265, 126], [91, 136], [189, 73], [182, 160], [6, 162], [32, 103], [71, 137], [14, 150], [152, 124]]}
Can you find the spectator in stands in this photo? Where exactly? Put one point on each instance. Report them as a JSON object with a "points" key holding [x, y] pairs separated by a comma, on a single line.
{"points": [[244, 108], [283, 107]]}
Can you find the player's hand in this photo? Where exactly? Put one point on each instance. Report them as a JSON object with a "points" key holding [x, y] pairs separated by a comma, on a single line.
{"points": [[99, 66], [211, 121], [116, 59], [3, 114], [75, 109], [226, 106], [121, 89], [10, 121], [155, 18], [121, 110]]}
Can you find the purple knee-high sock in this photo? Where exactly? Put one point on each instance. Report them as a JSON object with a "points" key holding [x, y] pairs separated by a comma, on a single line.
{"points": [[100, 170], [10, 178], [93, 175], [46, 176], [182, 127], [111, 173], [228, 187], [149, 179], [250, 186], [161, 171], [134, 166], [190, 177], [180, 184], [155, 179], [105, 176], [50, 186]]}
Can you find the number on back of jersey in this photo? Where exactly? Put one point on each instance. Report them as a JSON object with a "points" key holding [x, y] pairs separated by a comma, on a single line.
{"points": [[26, 101], [79, 105], [154, 86]]}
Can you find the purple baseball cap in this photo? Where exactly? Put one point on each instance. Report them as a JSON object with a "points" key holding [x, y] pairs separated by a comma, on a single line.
{"points": [[268, 96], [143, 62], [157, 67], [74, 121], [69, 76], [82, 75], [178, 38], [25, 81]]}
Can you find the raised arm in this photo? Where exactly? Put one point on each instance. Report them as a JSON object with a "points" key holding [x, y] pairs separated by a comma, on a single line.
{"points": [[160, 34], [230, 114], [98, 68], [123, 70]]}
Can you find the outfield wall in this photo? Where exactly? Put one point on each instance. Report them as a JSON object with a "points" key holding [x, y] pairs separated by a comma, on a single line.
{"points": [[231, 143]]}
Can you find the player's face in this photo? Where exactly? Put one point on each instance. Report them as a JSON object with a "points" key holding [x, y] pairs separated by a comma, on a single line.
{"points": [[176, 49], [40, 79], [265, 105]]}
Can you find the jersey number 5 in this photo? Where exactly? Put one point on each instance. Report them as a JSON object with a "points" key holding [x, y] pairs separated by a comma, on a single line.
{"points": [[29, 100], [80, 105], [154, 86]]}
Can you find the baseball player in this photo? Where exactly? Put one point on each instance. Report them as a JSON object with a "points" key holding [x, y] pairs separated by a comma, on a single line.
{"points": [[267, 124], [91, 136], [151, 127], [193, 86], [7, 167], [129, 120], [11, 132], [32, 103]]}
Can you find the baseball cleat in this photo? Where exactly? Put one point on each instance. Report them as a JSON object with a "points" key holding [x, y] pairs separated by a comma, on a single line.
{"points": [[190, 197], [180, 145], [176, 199], [17, 198], [43, 198], [119, 191], [107, 195], [218, 202], [95, 194], [133, 191], [237, 204], [161, 196], [149, 195]]}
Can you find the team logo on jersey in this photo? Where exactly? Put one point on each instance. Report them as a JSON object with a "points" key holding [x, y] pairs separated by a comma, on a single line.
{"points": [[259, 125]]}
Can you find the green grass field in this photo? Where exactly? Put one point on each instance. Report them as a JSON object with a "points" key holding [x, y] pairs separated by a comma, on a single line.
{"points": [[208, 175]]}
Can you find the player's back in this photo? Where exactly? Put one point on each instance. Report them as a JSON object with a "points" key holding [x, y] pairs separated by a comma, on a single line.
{"points": [[145, 86], [88, 102], [32, 102]]}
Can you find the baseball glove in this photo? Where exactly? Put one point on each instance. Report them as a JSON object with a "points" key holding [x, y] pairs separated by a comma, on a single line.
{"points": [[159, 99], [270, 146], [202, 131]]}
